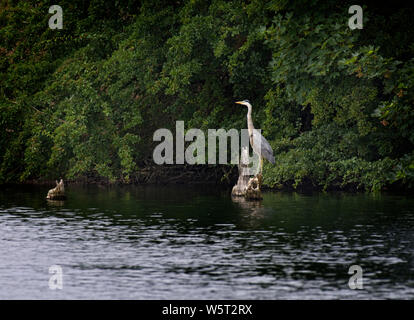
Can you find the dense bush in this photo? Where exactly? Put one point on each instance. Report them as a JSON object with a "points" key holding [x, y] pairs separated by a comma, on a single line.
{"points": [[336, 104]]}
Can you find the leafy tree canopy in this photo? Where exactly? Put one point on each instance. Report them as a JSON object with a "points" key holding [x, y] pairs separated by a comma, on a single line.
{"points": [[336, 104]]}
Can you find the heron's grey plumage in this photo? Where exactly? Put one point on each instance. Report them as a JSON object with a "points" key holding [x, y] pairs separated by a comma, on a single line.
{"points": [[266, 151]]}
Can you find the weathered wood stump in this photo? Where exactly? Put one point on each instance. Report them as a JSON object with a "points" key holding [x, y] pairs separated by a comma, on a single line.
{"points": [[57, 193], [240, 188], [247, 186], [253, 188]]}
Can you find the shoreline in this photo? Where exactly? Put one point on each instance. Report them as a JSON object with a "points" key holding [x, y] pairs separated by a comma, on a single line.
{"points": [[219, 182]]}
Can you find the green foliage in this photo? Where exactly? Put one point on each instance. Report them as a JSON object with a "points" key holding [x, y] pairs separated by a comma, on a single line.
{"points": [[336, 104], [343, 81], [321, 157]]}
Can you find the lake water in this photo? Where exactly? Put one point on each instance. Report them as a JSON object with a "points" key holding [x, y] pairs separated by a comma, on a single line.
{"points": [[199, 243]]}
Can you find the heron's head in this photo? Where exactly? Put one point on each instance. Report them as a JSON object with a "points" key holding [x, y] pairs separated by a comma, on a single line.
{"points": [[244, 102]]}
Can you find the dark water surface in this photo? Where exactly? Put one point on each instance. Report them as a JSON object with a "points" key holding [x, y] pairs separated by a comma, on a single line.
{"points": [[198, 243]]}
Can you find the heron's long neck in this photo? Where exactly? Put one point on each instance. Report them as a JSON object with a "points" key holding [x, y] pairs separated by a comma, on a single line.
{"points": [[250, 126]]}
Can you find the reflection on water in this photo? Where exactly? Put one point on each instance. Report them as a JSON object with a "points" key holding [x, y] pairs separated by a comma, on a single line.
{"points": [[57, 203], [252, 211], [199, 243]]}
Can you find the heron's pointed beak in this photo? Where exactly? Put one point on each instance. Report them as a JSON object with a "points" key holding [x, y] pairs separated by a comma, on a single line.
{"points": [[239, 102]]}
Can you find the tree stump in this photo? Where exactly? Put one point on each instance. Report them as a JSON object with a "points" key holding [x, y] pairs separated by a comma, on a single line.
{"points": [[247, 186], [57, 193]]}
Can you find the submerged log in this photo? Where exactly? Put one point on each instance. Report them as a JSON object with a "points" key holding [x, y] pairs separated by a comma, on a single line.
{"points": [[57, 193], [247, 186]]}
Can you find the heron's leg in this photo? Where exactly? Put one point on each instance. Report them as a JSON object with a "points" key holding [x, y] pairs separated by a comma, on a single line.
{"points": [[261, 165], [259, 176]]}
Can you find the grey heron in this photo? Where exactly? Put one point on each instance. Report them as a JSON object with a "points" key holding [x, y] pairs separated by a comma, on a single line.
{"points": [[259, 144]]}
